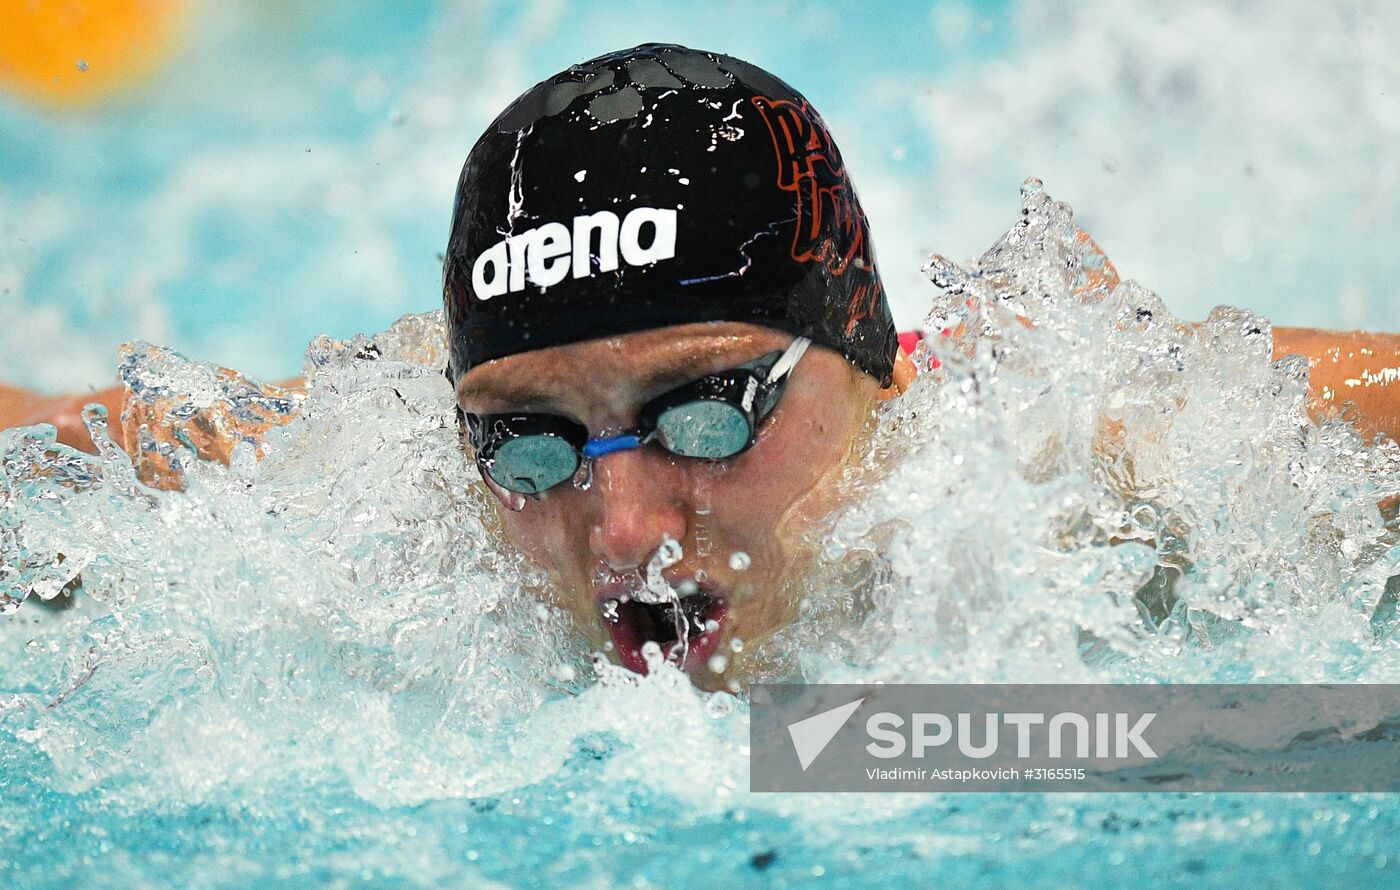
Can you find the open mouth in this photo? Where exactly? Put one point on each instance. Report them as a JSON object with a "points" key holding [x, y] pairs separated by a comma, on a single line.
{"points": [[688, 632]]}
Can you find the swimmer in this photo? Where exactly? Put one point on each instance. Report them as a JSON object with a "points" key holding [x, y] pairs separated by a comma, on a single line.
{"points": [[668, 338]]}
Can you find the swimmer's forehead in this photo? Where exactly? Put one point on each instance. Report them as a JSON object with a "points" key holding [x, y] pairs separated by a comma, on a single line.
{"points": [[640, 362]]}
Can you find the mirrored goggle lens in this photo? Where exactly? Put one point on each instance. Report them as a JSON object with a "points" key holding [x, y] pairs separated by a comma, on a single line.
{"points": [[530, 464], [708, 429]]}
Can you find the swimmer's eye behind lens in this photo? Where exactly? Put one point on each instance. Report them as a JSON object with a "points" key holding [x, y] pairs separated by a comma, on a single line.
{"points": [[717, 416], [713, 418], [526, 453]]}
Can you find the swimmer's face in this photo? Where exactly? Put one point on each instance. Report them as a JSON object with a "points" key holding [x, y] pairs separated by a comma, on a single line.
{"points": [[741, 523]]}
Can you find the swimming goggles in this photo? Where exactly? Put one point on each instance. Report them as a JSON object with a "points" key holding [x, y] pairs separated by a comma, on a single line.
{"points": [[713, 418]]}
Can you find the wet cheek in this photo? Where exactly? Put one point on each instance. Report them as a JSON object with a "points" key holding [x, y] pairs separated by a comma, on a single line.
{"points": [[748, 513], [541, 532], [796, 461]]}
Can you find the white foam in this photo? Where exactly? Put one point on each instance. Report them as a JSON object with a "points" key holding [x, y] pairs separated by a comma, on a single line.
{"points": [[342, 609]]}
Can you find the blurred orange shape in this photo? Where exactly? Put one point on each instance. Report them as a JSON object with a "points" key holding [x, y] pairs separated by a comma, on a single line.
{"points": [[75, 52]]}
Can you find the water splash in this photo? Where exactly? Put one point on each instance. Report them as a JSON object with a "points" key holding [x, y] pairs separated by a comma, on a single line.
{"points": [[1080, 487], [1088, 488]]}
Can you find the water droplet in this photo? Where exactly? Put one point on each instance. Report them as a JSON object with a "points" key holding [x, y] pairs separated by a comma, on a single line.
{"points": [[739, 561], [719, 705]]}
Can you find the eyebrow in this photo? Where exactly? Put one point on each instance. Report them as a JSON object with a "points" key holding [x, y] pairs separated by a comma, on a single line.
{"points": [[669, 366]]}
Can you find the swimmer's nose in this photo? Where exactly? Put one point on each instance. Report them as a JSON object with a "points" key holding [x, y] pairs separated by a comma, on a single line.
{"points": [[640, 502]]}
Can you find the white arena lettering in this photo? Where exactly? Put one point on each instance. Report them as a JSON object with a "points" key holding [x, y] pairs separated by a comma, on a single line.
{"points": [[546, 255]]}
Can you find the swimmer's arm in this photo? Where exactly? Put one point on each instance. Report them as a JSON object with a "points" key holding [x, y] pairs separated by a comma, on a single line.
{"points": [[1350, 366], [20, 407], [1345, 366]]}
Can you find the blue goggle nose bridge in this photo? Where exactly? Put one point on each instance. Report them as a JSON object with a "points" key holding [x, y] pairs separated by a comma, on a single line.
{"points": [[596, 448]]}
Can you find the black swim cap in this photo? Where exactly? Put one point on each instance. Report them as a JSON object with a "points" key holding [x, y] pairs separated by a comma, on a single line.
{"points": [[656, 186]]}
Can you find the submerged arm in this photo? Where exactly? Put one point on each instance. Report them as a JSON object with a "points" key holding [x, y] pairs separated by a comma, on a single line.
{"points": [[1350, 366], [19, 407]]}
